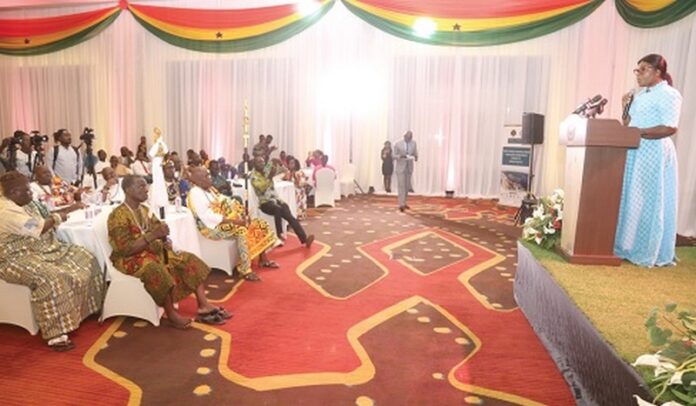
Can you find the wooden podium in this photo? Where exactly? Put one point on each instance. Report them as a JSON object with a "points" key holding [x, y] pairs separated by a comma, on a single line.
{"points": [[595, 158]]}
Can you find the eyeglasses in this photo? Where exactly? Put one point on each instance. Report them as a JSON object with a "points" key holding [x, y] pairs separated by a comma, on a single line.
{"points": [[642, 70]]}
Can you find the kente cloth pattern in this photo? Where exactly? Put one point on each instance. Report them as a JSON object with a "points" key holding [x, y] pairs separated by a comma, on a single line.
{"points": [[252, 240], [65, 280]]}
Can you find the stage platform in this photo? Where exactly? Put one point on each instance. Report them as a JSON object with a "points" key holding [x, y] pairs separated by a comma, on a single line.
{"points": [[590, 318]]}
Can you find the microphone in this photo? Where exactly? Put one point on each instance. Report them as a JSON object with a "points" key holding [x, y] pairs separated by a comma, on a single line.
{"points": [[595, 109], [627, 107], [581, 108]]}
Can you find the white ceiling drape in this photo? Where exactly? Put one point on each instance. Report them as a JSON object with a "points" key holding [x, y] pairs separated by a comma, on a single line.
{"points": [[346, 87]]}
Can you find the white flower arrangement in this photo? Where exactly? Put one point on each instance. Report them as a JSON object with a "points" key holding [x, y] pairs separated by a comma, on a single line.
{"points": [[544, 227]]}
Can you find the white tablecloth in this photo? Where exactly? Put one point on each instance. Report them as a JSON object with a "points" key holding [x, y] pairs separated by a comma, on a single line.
{"points": [[78, 230], [285, 189]]}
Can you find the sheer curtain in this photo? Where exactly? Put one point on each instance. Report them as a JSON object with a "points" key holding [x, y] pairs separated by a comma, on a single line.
{"points": [[345, 87]]}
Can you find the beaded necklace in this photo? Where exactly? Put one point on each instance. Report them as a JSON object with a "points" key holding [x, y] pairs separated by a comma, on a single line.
{"points": [[144, 226]]}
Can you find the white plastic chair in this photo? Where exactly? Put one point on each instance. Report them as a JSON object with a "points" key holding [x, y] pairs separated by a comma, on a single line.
{"points": [[126, 295], [15, 307], [219, 254], [324, 192], [347, 180]]}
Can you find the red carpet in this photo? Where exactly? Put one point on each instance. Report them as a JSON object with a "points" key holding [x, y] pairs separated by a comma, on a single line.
{"points": [[386, 308]]}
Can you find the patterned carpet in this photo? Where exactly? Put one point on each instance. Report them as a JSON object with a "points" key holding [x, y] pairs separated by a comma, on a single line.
{"points": [[387, 308]]}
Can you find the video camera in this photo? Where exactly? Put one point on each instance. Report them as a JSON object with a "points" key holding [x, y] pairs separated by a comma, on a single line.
{"points": [[17, 138], [87, 135], [37, 139]]}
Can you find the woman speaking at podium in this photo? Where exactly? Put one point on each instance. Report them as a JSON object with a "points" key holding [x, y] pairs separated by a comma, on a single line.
{"points": [[647, 226]]}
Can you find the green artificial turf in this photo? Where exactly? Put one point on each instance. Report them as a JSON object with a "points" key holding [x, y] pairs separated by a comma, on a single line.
{"points": [[617, 300]]}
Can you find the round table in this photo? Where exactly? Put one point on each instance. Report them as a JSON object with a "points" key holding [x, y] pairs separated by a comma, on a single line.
{"points": [[77, 229]]}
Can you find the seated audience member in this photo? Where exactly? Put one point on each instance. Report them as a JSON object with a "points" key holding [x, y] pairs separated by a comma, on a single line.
{"points": [[101, 162], [141, 165], [269, 148], [139, 242], [241, 170], [205, 160], [126, 158], [53, 192], [110, 190], [219, 182], [324, 164], [297, 177], [226, 170], [221, 218], [142, 146], [119, 169], [175, 187], [271, 203], [314, 158], [283, 158], [176, 159], [193, 162], [65, 280], [189, 155], [260, 148]]}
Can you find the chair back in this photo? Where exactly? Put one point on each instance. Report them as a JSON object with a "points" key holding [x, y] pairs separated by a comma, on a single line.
{"points": [[324, 192]]}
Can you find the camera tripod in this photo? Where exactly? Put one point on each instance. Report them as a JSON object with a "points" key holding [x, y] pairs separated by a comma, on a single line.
{"points": [[529, 201]]}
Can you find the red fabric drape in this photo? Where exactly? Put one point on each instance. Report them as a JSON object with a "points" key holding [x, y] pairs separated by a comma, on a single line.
{"points": [[42, 26], [202, 18], [471, 8]]}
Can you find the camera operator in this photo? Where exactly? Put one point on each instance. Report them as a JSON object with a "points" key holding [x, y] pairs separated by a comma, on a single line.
{"points": [[25, 156], [88, 177], [65, 160], [30, 153]]}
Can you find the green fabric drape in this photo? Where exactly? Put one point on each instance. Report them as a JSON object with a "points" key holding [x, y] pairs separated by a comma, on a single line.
{"points": [[239, 45], [665, 16], [63, 43], [484, 37]]}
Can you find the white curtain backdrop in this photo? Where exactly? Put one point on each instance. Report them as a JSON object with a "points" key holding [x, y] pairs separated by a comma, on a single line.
{"points": [[345, 87]]}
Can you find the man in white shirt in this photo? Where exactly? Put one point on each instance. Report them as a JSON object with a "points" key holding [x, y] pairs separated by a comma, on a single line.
{"points": [[220, 218], [64, 159], [24, 156], [141, 166], [101, 163], [110, 191]]}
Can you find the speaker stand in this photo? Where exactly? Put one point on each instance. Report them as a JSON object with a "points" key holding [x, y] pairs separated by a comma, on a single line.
{"points": [[527, 207]]}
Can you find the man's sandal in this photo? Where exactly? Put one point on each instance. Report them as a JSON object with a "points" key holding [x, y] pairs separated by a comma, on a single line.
{"points": [[61, 343], [251, 277], [213, 317], [224, 313], [269, 264]]}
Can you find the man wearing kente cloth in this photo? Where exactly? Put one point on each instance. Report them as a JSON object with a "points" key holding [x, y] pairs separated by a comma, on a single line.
{"points": [[139, 241], [66, 281], [220, 218]]}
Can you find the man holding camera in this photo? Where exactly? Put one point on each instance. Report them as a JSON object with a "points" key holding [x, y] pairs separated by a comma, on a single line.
{"points": [[25, 155], [21, 154], [65, 161]]}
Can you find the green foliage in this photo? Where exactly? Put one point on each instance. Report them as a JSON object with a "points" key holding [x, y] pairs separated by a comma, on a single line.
{"points": [[544, 227], [673, 331]]}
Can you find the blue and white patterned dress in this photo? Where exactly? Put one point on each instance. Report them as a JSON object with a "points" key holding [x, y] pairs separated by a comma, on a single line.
{"points": [[647, 226]]}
